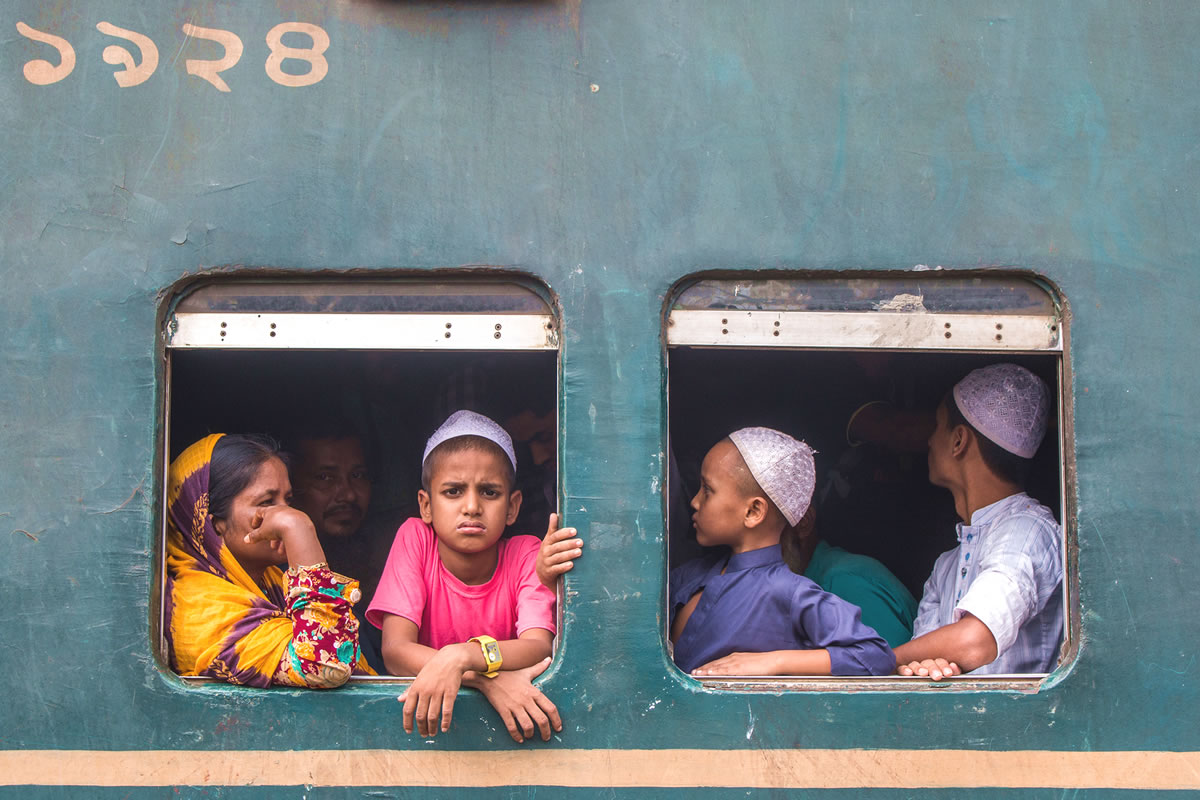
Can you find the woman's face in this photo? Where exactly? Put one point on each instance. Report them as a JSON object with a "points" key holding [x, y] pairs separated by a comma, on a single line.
{"points": [[269, 487]]}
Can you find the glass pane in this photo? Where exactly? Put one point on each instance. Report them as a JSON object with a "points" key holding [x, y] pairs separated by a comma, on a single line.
{"points": [[492, 297], [929, 291]]}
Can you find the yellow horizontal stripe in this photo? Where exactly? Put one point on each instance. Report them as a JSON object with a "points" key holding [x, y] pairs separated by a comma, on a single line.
{"points": [[540, 765]]}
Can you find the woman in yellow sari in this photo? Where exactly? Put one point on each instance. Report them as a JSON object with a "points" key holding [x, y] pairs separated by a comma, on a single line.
{"points": [[232, 613]]}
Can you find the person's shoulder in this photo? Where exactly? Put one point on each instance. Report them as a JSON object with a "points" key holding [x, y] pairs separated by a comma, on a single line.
{"points": [[845, 566], [415, 526], [1024, 516], [778, 578], [700, 564], [521, 543], [415, 534]]}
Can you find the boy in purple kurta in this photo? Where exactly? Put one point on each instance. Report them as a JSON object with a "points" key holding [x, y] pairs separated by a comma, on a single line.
{"points": [[743, 611]]}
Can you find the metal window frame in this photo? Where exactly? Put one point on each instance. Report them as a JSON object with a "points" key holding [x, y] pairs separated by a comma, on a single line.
{"points": [[894, 330], [487, 331]]}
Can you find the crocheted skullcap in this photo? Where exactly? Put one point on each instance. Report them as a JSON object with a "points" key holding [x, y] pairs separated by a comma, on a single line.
{"points": [[1008, 404], [468, 423], [782, 466]]}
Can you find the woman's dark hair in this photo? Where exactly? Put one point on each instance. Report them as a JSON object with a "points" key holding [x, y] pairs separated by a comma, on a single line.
{"points": [[1008, 466], [236, 459]]}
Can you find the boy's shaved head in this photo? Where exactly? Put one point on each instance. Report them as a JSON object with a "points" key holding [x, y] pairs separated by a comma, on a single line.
{"points": [[743, 478]]}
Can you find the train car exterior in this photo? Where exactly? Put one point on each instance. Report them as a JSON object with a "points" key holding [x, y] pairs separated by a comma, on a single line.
{"points": [[598, 160]]}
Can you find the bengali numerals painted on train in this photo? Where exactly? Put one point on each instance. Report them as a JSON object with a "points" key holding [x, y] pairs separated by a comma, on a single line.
{"points": [[139, 62]]}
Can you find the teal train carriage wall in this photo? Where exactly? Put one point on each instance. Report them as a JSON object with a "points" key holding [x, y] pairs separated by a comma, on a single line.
{"points": [[607, 149]]}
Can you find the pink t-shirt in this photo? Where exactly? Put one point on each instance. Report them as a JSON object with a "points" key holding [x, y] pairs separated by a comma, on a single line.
{"points": [[415, 585]]}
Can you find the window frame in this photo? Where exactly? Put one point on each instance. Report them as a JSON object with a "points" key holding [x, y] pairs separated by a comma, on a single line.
{"points": [[488, 331], [974, 332]]}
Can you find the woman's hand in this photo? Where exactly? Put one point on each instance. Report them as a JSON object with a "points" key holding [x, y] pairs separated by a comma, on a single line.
{"points": [[288, 530]]}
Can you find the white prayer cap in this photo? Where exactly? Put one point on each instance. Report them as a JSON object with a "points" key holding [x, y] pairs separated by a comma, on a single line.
{"points": [[1006, 403], [468, 423], [782, 466]]}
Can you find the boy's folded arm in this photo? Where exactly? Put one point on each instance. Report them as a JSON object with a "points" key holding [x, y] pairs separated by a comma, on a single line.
{"points": [[967, 643], [830, 622], [868, 656], [771, 662], [402, 654], [522, 707], [529, 648]]}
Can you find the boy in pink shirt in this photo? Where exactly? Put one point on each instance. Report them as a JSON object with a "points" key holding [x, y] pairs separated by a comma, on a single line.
{"points": [[458, 604]]}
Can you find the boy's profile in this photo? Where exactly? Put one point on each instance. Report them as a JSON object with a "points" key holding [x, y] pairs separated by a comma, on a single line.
{"points": [[741, 610], [459, 604], [993, 604]]}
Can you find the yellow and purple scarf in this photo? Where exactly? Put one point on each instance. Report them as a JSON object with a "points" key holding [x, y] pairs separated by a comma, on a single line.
{"points": [[220, 623]]}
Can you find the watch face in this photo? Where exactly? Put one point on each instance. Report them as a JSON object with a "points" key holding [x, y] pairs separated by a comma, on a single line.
{"points": [[493, 651]]}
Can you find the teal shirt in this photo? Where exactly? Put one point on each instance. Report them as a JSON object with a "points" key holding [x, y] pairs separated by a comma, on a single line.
{"points": [[887, 606]]}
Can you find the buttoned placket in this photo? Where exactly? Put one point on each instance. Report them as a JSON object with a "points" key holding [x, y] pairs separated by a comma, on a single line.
{"points": [[968, 536]]}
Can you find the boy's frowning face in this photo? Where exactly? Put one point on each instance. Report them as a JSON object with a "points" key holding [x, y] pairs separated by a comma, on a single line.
{"points": [[720, 505], [470, 500]]}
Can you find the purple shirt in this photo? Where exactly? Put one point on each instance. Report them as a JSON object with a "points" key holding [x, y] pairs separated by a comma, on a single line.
{"points": [[759, 605]]}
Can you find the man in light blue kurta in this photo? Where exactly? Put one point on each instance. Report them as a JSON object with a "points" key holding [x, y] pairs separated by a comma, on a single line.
{"points": [[993, 605]]}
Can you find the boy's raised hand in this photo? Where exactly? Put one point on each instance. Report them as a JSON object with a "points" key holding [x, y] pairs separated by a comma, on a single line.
{"points": [[558, 552]]}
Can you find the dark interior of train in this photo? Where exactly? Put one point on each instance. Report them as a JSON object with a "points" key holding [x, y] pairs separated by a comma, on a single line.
{"points": [[395, 399], [868, 500]]}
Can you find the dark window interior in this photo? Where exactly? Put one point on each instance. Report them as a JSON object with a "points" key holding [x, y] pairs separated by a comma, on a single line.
{"points": [[868, 500], [396, 400]]}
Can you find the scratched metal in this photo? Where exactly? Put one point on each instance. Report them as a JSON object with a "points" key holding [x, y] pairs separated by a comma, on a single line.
{"points": [[609, 149]]}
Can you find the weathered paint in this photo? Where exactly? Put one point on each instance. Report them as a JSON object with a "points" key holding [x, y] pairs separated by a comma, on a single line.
{"points": [[609, 149]]}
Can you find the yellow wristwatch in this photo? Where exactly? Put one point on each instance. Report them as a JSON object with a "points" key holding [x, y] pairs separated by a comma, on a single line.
{"points": [[491, 654]]}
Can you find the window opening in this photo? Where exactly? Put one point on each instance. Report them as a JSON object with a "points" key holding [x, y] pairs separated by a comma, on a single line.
{"points": [[390, 360], [802, 355]]}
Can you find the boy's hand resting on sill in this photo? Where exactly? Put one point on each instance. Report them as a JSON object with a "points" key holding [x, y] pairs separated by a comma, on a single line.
{"points": [[936, 668], [739, 664], [770, 662], [433, 692], [521, 705], [556, 556]]}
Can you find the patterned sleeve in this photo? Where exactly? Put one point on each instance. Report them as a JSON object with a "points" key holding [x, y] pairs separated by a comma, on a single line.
{"points": [[324, 648]]}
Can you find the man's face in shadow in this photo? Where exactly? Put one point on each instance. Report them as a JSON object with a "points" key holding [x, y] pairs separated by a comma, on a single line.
{"points": [[331, 484], [536, 431]]}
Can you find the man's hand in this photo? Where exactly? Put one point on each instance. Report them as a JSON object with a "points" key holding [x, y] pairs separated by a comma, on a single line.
{"points": [[522, 707], [936, 668], [433, 692], [557, 553], [739, 664]]}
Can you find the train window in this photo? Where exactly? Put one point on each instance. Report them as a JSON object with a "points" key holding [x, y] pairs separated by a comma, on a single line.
{"points": [[804, 354], [386, 360]]}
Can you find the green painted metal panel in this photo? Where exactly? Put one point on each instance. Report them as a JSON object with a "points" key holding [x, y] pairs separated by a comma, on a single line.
{"points": [[609, 149]]}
